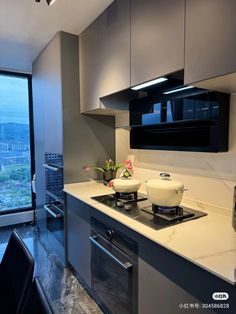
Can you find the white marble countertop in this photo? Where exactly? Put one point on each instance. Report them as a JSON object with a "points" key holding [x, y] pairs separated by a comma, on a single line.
{"points": [[209, 242]]}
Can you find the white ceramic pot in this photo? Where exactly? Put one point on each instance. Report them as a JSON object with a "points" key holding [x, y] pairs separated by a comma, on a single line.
{"points": [[123, 185], [165, 191]]}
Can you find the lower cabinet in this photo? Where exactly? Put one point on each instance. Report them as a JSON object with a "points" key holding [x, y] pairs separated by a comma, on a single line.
{"points": [[167, 283], [77, 234]]}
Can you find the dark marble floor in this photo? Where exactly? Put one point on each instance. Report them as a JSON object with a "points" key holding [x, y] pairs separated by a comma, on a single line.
{"points": [[64, 292]]}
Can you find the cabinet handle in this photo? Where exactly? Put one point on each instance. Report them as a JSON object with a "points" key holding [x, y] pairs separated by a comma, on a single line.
{"points": [[50, 167], [127, 265], [52, 212]]}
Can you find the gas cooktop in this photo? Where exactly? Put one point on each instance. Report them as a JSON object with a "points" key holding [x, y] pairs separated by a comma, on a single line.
{"points": [[139, 208]]}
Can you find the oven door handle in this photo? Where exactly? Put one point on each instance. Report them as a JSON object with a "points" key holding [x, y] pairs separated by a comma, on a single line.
{"points": [[52, 212], [127, 265], [53, 168]]}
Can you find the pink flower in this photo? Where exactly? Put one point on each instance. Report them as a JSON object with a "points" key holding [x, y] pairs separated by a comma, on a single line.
{"points": [[110, 184], [129, 167], [127, 162]]}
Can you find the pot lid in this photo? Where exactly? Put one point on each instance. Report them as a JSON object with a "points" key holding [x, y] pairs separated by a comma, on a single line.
{"points": [[165, 182], [126, 181]]}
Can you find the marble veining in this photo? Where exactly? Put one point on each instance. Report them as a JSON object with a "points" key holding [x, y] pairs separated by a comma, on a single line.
{"points": [[171, 236], [63, 290], [222, 253], [208, 242]]}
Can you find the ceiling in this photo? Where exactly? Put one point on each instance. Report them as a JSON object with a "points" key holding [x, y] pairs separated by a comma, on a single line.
{"points": [[26, 27]]}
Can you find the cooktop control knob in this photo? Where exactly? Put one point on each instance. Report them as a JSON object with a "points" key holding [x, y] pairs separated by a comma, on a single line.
{"points": [[119, 203], [110, 234], [127, 207]]}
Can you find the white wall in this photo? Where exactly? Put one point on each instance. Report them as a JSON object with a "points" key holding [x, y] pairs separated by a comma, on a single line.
{"points": [[210, 177]]}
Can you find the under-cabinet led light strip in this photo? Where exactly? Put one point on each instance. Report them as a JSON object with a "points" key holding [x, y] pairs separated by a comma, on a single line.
{"points": [[178, 90], [150, 83]]}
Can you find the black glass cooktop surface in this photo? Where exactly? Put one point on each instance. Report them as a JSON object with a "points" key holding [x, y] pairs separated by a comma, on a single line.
{"points": [[141, 210]]}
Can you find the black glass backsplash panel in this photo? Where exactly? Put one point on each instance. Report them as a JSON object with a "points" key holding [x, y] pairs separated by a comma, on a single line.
{"points": [[196, 106], [195, 121]]}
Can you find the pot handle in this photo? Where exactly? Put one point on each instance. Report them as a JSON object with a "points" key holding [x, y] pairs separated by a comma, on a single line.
{"points": [[164, 175], [181, 190]]}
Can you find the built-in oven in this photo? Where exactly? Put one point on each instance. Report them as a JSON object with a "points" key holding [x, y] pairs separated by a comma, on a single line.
{"points": [[114, 265], [54, 196]]}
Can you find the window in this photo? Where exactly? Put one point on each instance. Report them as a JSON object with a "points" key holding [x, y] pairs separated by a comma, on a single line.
{"points": [[15, 143]]}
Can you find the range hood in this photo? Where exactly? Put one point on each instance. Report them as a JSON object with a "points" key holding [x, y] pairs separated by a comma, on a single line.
{"points": [[177, 117]]}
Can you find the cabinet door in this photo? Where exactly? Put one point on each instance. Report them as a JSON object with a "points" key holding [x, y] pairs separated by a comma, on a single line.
{"points": [[157, 38], [168, 281], [89, 72], [77, 235], [47, 95], [51, 58], [114, 49], [210, 44]]}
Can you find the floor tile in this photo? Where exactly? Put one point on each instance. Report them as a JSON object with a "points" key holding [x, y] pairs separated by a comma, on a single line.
{"points": [[63, 290]]}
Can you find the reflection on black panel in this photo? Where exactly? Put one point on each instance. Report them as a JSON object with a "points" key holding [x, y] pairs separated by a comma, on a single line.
{"points": [[214, 109], [188, 109], [169, 115], [195, 122], [202, 106], [202, 109]]}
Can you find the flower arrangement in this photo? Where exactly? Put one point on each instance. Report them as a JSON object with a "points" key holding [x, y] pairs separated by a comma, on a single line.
{"points": [[110, 168], [128, 170], [126, 173]]}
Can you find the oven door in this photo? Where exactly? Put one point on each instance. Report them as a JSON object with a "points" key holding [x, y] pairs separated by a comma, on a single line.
{"points": [[55, 220], [114, 277]]}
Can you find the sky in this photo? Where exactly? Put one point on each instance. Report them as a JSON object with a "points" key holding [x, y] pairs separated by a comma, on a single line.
{"points": [[13, 99]]}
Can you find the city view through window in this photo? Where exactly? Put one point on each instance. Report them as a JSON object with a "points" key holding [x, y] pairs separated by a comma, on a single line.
{"points": [[15, 165]]}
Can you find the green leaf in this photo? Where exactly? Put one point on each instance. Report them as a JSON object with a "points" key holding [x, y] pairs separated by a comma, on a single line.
{"points": [[106, 165], [100, 169]]}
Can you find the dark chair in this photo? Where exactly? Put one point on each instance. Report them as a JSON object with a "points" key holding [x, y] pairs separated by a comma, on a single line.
{"points": [[16, 275], [37, 302]]}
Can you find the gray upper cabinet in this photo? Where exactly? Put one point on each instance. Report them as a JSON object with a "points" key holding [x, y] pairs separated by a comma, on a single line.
{"points": [[105, 56], [114, 52], [47, 91], [210, 45], [157, 38], [88, 56]]}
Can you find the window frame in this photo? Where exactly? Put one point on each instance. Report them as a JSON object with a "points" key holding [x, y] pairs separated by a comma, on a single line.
{"points": [[31, 129]]}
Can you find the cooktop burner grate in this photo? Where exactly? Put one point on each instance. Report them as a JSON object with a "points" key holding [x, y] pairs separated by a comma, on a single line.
{"points": [[177, 213], [126, 196], [141, 210]]}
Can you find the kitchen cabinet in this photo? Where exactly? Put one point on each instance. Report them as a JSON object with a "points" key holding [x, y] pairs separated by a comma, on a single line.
{"points": [[89, 72], [58, 125], [114, 50], [105, 57], [52, 104], [172, 279], [78, 232], [210, 46], [166, 281], [157, 38], [176, 282]]}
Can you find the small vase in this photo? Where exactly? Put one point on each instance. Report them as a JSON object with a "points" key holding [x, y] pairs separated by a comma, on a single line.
{"points": [[108, 176]]}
